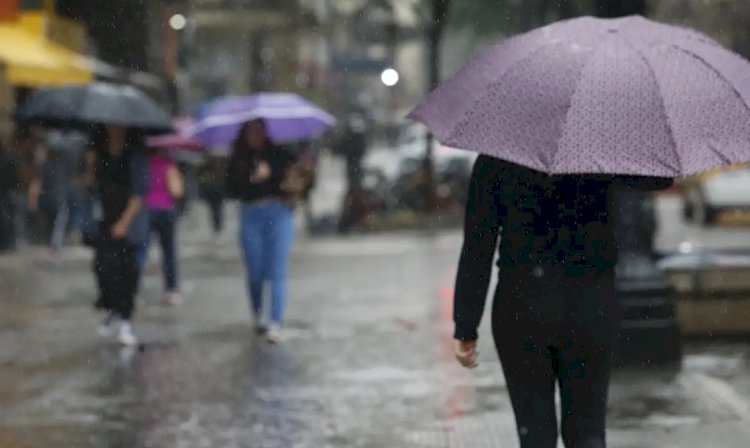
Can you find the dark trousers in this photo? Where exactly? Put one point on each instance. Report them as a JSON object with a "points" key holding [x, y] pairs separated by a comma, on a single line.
{"points": [[7, 213], [117, 275], [215, 202], [556, 327], [162, 223]]}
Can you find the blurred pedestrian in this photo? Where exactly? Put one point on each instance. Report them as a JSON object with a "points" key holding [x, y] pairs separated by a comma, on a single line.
{"points": [[59, 195], [211, 176], [353, 144], [8, 185], [122, 177], [260, 175], [554, 316], [26, 194], [167, 187]]}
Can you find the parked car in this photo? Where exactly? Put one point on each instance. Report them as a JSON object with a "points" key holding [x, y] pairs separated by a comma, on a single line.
{"points": [[709, 195]]}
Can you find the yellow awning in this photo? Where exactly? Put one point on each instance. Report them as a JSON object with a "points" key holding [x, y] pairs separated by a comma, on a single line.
{"points": [[33, 61]]}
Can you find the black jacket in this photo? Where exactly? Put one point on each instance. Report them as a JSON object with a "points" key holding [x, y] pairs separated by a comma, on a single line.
{"points": [[540, 219]]}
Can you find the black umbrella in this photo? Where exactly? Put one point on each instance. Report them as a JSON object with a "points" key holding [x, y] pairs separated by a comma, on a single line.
{"points": [[98, 103]]}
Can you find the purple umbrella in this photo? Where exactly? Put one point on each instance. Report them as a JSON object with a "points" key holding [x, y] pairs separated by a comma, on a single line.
{"points": [[622, 96], [288, 117], [180, 140]]}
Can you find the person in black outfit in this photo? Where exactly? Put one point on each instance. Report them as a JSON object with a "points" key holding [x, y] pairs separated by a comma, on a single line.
{"points": [[212, 190], [122, 178], [554, 316], [8, 184]]}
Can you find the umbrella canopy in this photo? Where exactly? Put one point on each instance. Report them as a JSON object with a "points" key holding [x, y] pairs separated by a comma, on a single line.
{"points": [[288, 117], [181, 139], [618, 96], [98, 103]]}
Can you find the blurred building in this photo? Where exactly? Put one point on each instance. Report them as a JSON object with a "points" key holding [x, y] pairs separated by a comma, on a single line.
{"points": [[332, 51], [244, 46]]}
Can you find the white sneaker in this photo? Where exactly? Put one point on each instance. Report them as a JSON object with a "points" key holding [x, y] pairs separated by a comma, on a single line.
{"points": [[173, 298], [108, 326], [274, 335], [261, 323], [125, 335]]}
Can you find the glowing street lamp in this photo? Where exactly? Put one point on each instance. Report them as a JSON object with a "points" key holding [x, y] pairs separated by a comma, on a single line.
{"points": [[389, 77], [177, 22]]}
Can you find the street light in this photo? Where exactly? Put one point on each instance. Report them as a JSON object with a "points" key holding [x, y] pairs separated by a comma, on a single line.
{"points": [[389, 77], [177, 22]]}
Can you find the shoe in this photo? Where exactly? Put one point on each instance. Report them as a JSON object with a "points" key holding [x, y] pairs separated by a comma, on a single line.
{"points": [[108, 326], [261, 323], [274, 334], [125, 335], [173, 298]]}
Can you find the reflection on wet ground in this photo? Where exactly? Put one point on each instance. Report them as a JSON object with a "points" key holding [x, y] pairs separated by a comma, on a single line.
{"points": [[367, 363]]}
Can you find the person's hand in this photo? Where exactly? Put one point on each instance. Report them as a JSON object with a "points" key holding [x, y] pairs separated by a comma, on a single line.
{"points": [[120, 230], [466, 353], [33, 205], [262, 172]]}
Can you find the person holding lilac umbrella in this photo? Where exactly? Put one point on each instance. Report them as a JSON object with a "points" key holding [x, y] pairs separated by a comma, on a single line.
{"points": [[260, 175], [563, 116], [267, 180]]}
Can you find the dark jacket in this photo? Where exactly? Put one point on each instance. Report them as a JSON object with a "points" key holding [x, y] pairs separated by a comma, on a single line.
{"points": [[242, 165], [540, 219]]}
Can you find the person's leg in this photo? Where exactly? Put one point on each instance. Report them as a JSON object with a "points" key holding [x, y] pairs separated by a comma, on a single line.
{"points": [[586, 359], [127, 289], [124, 278], [6, 222], [142, 250], [251, 237], [523, 343], [584, 384], [165, 228], [216, 207], [280, 240], [20, 221], [59, 227]]}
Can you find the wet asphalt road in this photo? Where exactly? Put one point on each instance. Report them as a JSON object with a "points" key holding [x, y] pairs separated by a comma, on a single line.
{"points": [[367, 362]]}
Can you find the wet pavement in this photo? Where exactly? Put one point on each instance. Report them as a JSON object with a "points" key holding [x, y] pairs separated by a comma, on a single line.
{"points": [[367, 361]]}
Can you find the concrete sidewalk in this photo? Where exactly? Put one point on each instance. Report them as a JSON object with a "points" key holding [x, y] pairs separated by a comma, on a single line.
{"points": [[367, 363]]}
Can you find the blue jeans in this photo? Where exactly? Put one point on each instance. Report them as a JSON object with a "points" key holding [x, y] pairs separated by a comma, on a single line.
{"points": [[267, 234], [162, 223]]}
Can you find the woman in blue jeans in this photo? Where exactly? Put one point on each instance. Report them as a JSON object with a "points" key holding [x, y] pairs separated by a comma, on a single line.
{"points": [[259, 175]]}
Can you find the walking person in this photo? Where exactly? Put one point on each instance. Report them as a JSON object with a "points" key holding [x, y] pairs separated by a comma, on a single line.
{"points": [[59, 193], [8, 184], [167, 187], [259, 174], [554, 316], [122, 177], [211, 184]]}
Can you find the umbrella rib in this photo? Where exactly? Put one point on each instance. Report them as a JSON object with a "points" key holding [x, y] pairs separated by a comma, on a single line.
{"points": [[646, 60], [726, 160], [577, 89], [465, 118], [716, 72]]}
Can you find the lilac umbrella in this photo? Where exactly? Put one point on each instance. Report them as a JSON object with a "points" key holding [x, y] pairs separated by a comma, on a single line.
{"points": [[180, 140], [620, 96], [288, 117]]}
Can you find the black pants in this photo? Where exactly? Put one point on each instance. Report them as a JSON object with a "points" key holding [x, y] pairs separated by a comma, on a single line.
{"points": [[117, 274], [556, 326], [216, 207], [7, 215], [163, 223]]}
